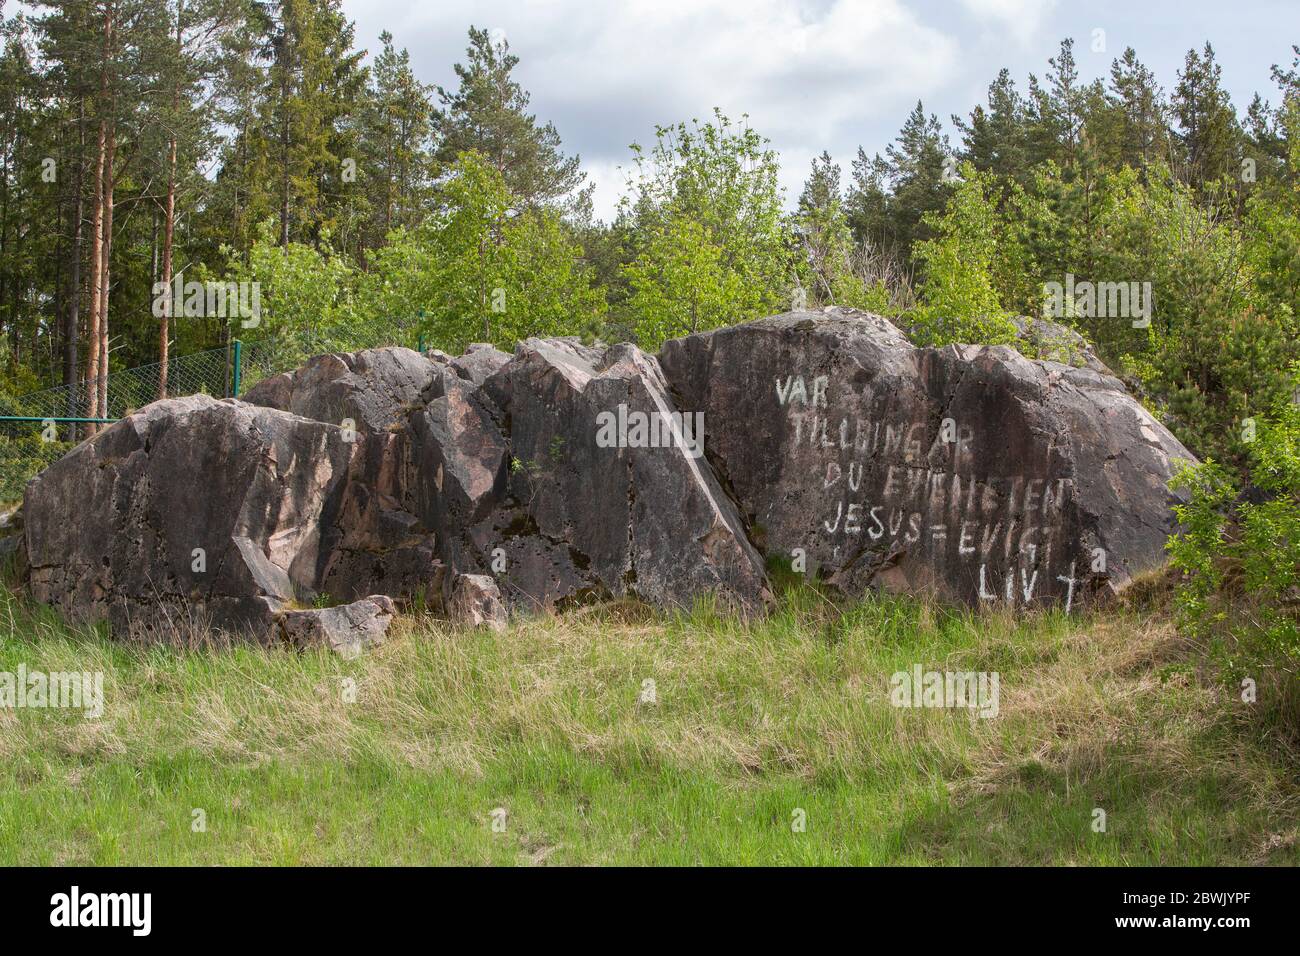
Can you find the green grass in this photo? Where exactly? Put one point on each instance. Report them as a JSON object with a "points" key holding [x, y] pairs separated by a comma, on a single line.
{"points": [[751, 723]]}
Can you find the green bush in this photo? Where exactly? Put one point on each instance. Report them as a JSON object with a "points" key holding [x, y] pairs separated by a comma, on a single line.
{"points": [[959, 301], [1239, 553]]}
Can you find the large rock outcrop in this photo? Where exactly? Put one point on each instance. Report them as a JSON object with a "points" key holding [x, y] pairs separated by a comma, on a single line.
{"points": [[190, 512], [566, 472], [971, 473], [381, 543], [595, 507]]}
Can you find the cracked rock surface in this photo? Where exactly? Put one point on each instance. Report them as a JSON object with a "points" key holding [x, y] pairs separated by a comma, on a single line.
{"points": [[566, 472], [971, 473], [347, 629], [192, 511]]}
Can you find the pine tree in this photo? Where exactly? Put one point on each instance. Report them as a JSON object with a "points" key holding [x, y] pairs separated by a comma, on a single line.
{"points": [[20, 192], [304, 153], [1144, 130], [867, 204], [488, 114], [890, 197], [994, 139], [1066, 98], [396, 125], [824, 240], [66, 37], [1207, 124], [230, 216], [103, 49], [1043, 128], [1288, 115], [188, 59]]}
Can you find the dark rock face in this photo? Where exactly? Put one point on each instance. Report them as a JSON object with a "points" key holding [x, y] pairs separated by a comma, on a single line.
{"points": [[592, 508], [192, 510], [566, 472], [479, 362], [971, 473], [383, 544], [11, 539], [459, 457], [374, 389]]}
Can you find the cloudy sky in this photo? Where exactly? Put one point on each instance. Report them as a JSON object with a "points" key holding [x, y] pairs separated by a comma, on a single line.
{"points": [[811, 74]]}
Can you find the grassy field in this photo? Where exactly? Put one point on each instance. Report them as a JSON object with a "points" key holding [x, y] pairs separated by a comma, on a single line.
{"points": [[535, 746]]}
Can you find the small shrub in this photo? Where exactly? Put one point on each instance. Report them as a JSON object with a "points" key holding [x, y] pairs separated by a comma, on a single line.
{"points": [[1239, 553]]}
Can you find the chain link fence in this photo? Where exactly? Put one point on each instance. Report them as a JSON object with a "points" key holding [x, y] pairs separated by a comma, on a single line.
{"points": [[40, 427]]}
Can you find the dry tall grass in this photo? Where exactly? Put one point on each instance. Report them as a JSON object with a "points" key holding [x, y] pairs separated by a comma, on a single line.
{"points": [[1108, 711]]}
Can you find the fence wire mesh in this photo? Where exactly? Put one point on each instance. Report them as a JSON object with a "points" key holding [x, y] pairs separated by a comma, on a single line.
{"points": [[26, 447]]}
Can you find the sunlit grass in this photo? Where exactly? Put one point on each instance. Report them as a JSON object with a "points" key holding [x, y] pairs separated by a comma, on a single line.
{"points": [[750, 723]]}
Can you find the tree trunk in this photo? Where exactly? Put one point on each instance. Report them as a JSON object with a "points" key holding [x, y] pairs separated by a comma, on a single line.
{"points": [[169, 226], [96, 279], [169, 217], [73, 329], [15, 291], [109, 182], [284, 148]]}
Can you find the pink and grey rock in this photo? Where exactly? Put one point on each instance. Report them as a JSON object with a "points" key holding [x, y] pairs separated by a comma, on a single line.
{"points": [[970, 473]]}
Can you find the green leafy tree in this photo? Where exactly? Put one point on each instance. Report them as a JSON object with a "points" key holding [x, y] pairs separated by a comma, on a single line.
{"points": [[1239, 555], [959, 301], [705, 222], [1215, 356], [305, 295], [681, 284], [484, 268]]}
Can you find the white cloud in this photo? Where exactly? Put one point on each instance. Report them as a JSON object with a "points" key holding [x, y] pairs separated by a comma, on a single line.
{"points": [[807, 71], [805, 77], [810, 73], [1023, 19]]}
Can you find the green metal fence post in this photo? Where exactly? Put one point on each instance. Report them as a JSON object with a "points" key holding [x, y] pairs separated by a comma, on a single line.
{"points": [[237, 374]]}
